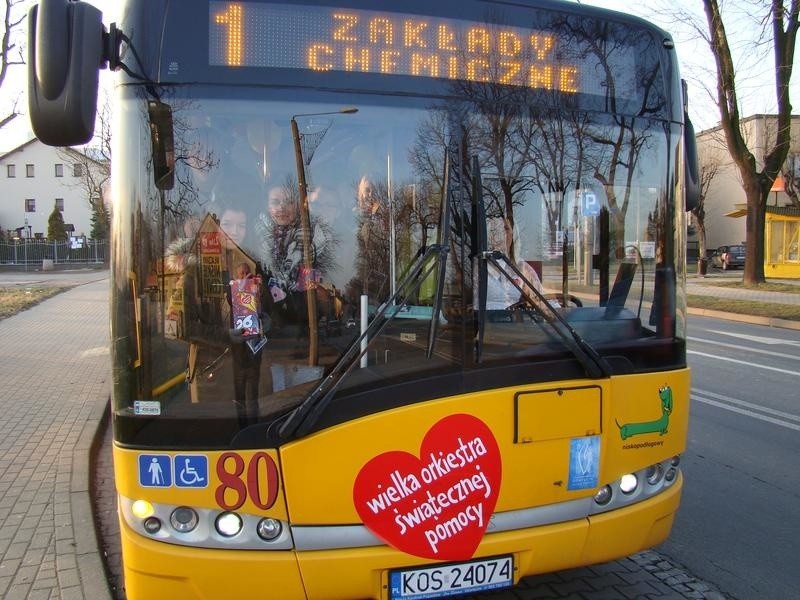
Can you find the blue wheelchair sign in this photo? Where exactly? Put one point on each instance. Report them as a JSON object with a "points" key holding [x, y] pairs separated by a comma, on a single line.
{"points": [[155, 470], [590, 205], [191, 470]]}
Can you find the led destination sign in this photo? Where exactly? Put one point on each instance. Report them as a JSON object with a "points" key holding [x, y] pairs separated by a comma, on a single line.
{"points": [[322, 39]]}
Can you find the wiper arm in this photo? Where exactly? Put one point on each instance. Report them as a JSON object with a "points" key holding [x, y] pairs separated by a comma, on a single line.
{"points": [[443, 241], [596, 366], [481, 243], [304, 416]]}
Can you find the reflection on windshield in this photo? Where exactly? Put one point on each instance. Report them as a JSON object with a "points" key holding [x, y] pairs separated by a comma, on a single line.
{"points": [[557, 201]]}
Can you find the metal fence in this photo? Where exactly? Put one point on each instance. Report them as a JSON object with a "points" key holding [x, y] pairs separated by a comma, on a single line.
{"points": [[47, 254]]}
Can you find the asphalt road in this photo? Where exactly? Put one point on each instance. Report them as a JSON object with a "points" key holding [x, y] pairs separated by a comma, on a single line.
{"points": [[739, 522]]}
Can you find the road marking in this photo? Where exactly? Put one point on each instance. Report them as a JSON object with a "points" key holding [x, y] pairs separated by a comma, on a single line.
{"points": [[744, 362], [739, 347], [756, 338], [772, 411], [747, 413]]}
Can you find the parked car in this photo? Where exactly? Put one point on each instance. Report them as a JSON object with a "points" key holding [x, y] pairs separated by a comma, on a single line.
{"points": [[333, 328], [728, 257]]}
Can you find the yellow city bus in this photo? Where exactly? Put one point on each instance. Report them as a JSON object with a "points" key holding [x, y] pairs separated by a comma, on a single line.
{"points": [[397, 300]]}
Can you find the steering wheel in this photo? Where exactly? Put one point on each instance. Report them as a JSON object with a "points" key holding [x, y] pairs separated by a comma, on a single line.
{"points": [[564, 301]]}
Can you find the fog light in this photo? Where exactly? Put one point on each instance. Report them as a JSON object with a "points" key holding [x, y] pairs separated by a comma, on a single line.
{"points": [[268, 529], [603, 495], [142, 509], [183, 519], [228, 524], [669, 476], [628, 483], [152, 525], [654, 473]]}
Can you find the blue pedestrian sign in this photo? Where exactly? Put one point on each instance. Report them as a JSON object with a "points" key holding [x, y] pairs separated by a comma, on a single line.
{"points": [[155, 470], [191, 470], [590, 204]]}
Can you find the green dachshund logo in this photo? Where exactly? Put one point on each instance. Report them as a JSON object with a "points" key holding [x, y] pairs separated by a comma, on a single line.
{"points": [[658, 426]]}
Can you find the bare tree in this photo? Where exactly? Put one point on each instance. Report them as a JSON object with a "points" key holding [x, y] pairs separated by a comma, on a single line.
{"points": [[91, 168], [780, 28], [10, 53], [708, 171], [791, 179]]}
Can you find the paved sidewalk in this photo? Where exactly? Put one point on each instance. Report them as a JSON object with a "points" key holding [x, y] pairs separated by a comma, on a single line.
{"points": [[55, 381]]}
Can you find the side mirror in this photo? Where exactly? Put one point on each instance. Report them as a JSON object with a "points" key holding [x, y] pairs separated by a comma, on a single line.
{"points": [[65, 54], [691, 167]]}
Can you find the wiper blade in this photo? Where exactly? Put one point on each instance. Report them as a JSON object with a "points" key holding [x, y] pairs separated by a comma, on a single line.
{"points": [[596, 366], [300, 421]]}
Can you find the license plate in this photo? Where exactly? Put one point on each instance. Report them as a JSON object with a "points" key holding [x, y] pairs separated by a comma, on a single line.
{"points": [[449, 580]]}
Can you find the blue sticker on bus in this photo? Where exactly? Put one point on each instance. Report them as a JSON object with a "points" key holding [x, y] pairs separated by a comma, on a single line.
{"points": [[191, 470], [584, 462], [155, 470]]}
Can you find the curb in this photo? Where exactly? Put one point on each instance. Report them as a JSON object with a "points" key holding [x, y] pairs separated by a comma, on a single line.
{"points": [[91, 567], [755, 320]]}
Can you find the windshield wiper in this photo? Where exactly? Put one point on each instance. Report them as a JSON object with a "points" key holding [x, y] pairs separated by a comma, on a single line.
{"points": [[596, 366], [443, 241], [479, 218], [300, 421]]}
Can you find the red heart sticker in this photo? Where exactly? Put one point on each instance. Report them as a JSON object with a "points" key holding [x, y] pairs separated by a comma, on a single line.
{"points": [[436, 505]]}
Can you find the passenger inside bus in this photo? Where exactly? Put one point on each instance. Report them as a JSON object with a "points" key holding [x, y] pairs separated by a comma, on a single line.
{"points": [[280, 237], [246, 344], [503, 288], [219, 250]]}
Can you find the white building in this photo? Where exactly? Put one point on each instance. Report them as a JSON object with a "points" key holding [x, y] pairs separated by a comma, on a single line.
{"points": [[35, 178], [725, 196]]}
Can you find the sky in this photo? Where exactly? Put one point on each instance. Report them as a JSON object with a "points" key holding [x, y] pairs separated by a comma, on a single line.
{"points": [[756, 90]]}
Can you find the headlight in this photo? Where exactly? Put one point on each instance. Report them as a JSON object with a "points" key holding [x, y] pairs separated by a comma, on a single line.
{"points": [[654, 473], [628, 483], [152, 525], [228, 524], [142, 509], [268, 529], [603, 495], [183, 519]]}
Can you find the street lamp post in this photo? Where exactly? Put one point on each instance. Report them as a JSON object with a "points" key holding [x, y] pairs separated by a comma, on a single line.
{"points": [[305, 221]]}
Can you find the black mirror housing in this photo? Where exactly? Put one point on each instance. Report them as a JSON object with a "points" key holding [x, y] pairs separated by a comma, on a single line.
{"points": [[65, 54], [691, 166]]}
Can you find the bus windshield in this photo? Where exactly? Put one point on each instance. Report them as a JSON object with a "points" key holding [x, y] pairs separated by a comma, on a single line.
{"points": [[375, 184]]}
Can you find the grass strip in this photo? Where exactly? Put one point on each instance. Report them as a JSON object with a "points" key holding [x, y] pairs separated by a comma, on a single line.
{"points": [[745, 307], [16, 299], [788, 288]]}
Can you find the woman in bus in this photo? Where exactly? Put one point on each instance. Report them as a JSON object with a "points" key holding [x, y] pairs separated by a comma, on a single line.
{"points": [[280, 232]]}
